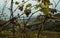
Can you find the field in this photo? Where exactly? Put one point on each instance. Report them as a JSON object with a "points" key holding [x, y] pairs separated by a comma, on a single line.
{"points": [[44, 34]]}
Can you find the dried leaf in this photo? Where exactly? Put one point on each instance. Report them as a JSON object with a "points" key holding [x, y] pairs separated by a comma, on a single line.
{"points": [[37, 6], [28, 5], [16, 2], [53, 10], [27, 12], [20, 8]]}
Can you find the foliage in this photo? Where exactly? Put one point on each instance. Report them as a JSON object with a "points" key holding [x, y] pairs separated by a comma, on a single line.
{"points": [[43, 7], [16, 2], [28, 5], [20, 7], [27, 12], [38, 5], [45, 11]]}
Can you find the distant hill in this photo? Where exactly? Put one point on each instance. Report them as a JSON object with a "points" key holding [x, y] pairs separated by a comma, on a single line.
{"points": [[52, 26], [58, 15]]}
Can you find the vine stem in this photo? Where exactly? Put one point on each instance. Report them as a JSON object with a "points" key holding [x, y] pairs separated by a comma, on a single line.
{"points": [[42, 28]]}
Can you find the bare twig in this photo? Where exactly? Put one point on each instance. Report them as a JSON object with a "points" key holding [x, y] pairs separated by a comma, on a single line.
{"points": [[4, 7], [54, 2], [57, 3]]}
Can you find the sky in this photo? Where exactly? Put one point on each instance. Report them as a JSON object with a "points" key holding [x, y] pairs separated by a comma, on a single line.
{"points": [[2, 2]]}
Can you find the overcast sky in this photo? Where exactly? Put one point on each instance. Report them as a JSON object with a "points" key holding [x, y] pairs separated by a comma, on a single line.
{"points": [[18, 11]]}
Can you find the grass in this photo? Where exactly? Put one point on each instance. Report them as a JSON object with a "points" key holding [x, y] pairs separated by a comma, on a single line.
{"points": [[29, 34]]}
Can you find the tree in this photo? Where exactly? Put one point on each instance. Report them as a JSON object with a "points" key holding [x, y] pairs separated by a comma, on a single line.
{"points": [[43, 7]]}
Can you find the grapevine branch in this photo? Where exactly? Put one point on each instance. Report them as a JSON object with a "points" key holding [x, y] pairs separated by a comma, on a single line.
{"points": [[19, 5]]}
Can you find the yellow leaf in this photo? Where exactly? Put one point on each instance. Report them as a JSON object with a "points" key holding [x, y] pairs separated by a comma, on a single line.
{"points": [[46, 3], [46, 11]]}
